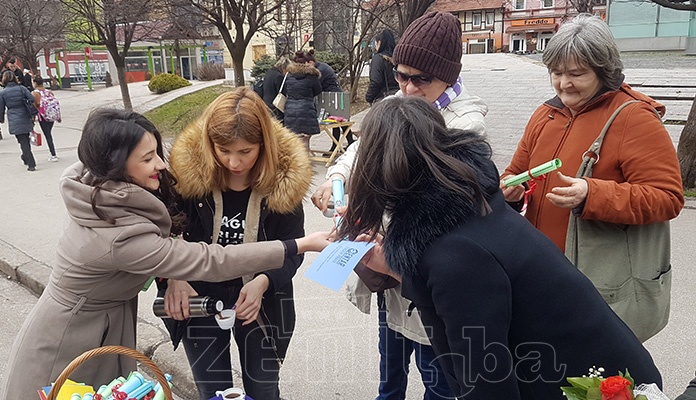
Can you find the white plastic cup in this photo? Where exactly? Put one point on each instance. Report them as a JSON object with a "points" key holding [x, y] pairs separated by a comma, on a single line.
{"points": [[226, 318], [231, 393]]}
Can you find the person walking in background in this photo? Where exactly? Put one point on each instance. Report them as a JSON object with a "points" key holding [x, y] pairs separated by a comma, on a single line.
{"points": [[508, 315], [251, 174], [11, 65], [120, 233], [27, 79], [636, 180], [329, 83], [382, 81], [301, 86], [49, 113], [15, 97], [272, 81], [428, 62]]}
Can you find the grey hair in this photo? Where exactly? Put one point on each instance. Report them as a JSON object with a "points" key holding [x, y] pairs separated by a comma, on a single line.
{"points": [[282, 63], [587, 40]]}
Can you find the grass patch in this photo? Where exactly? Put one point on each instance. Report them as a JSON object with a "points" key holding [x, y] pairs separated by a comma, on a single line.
{"points": [[690, 193], [171, 118]]}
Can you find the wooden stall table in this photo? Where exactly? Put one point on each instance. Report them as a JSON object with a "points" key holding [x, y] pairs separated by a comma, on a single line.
{"points": [[319, 155]]}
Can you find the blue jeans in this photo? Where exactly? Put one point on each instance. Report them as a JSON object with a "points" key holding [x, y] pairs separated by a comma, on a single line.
{"points": [[394, 357], [208, 352]]}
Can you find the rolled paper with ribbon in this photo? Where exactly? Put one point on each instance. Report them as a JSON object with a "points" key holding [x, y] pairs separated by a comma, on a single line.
{"points": [[535, 172], [159, 392], [76, 396], [135, 379], [88, 396], [339, 197], [140, 392], [106, 390]]}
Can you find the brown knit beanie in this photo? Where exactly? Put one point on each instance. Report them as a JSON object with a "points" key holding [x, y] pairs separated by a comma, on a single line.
{"points": [[432, 44]]}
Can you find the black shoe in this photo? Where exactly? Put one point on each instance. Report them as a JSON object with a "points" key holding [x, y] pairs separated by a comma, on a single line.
{"points": [[31, 169]]}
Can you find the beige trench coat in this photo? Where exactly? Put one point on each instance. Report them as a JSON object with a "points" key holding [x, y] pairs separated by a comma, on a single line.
{"points": [[91, 297]]}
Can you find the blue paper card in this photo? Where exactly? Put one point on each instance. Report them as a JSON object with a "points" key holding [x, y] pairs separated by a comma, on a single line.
{"points": [[335, 263]]}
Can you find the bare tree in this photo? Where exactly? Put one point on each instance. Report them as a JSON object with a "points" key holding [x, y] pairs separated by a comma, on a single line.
{"points": [[351, 24], [288, 26], [410, 10], [115, 24], [28, 26], [348, 26], [237, 21]]}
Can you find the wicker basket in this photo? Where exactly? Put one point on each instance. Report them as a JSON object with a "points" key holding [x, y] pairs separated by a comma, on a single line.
{"points": [[100, 351]]}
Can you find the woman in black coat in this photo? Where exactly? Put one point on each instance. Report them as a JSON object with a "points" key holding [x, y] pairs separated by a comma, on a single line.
{"points": [[301, 86], [272, 82], [382, 81], [15, 97], [507, 314]]}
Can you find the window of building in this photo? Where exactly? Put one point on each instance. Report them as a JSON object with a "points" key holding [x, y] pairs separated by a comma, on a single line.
{"points": [[547, 3], [518, 4], [476, 20], [490, 19]]}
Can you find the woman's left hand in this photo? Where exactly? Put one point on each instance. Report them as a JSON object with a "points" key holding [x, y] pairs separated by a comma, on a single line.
{"points": [[569, 196], [249, 302]]}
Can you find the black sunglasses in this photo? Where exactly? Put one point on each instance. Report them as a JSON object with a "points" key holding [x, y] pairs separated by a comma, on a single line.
{"points": [[416, 80]]}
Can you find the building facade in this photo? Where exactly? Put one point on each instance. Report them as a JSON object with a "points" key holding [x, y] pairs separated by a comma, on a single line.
{"points": [[482, 23], [643, 25], [521, 26]]}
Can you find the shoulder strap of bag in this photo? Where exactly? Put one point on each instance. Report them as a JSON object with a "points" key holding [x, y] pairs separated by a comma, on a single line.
{"points": [[283, 84], [591, 156]]}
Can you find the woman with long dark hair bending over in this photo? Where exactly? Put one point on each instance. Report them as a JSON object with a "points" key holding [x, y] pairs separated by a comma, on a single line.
{"points": [[507, 314]]}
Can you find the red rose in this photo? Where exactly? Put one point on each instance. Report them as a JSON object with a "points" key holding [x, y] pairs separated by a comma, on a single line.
{"points": [[616, 388]]}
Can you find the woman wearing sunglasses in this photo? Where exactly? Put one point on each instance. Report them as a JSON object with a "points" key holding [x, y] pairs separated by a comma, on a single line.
{"points": [[428, 62]]}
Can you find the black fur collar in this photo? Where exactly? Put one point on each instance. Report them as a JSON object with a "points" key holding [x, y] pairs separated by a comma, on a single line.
{"points": [[429, 212]]}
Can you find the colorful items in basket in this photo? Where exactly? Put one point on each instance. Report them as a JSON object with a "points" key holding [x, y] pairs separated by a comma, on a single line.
{"points": [[332, 119], [135, 387], [231, 393], [618, 387]]}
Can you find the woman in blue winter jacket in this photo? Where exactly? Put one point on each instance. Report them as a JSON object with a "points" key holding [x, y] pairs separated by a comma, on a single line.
{"points": [[15, 97]]}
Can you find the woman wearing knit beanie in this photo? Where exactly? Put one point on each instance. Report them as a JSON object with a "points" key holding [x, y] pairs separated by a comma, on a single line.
{"points": [[428, 62]]}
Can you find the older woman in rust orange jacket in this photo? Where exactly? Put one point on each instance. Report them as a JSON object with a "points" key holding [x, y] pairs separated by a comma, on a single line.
{"points": [[637, 178]]}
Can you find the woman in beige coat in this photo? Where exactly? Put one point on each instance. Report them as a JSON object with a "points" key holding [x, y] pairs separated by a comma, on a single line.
{"points": [[118, 236]]}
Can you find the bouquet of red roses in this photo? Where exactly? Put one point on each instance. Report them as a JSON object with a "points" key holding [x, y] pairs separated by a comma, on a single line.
{"points": [[596, 387]]}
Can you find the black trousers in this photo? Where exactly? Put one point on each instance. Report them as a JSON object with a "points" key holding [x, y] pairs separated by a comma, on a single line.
{"points": [[46, 128], [25, 145]]}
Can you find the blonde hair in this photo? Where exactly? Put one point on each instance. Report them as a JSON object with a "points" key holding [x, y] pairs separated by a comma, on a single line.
{"points": [[242, 114]]}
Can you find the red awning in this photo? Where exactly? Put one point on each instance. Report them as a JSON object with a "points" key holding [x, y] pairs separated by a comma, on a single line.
{"points": [[532, 28]]}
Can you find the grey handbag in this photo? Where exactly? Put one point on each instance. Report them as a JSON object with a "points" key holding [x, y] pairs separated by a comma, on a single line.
{"points": [[628, 264]]}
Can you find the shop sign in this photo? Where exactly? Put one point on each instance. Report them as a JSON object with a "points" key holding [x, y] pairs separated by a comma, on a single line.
{"points": [[533, 22]]}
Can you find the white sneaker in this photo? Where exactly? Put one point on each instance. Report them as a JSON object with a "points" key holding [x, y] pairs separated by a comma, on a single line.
{"points": [[53, 158]]}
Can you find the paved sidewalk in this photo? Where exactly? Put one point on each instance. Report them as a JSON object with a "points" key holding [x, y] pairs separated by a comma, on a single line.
{"points": [[333, 354]]}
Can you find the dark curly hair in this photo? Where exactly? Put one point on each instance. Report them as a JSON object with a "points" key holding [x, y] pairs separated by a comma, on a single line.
{"points": [[108, 138]]}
